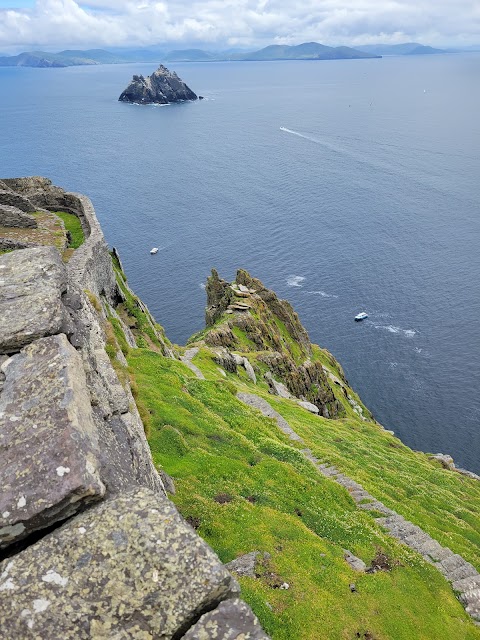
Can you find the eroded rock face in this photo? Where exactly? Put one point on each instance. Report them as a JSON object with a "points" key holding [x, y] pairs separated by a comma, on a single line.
{"points": [[49, 445], [162, 87], [130, 568], [14, 217], [12, 199], [32, 283]]}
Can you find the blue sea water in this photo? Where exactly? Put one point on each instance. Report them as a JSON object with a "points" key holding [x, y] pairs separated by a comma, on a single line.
{"points": [[345, 186]]}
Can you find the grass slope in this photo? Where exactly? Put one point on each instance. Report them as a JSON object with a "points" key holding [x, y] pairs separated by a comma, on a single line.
{"points": [[246, 487]]}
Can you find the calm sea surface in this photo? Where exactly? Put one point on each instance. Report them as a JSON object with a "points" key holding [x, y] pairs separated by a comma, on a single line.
{"points": [[368, 199]]}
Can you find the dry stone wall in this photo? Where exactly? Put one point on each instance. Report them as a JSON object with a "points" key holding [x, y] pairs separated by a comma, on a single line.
{"points": [[90, 546]]}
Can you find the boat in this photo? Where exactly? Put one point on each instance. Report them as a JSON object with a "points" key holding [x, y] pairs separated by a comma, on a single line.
{"points": [[361, 316], [154, 250]]}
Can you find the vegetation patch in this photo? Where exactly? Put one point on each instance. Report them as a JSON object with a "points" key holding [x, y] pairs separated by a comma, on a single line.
{"points": [[73, 226]]}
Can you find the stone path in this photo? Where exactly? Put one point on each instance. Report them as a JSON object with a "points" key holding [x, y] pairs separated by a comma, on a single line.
{"points": [[187, 359], [463, 576]]}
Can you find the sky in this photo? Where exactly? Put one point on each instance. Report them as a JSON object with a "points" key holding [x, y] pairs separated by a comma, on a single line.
{"points": [[217, 24]]}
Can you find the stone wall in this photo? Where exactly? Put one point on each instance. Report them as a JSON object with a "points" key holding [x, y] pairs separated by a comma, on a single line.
{"points": [[90, 545]]}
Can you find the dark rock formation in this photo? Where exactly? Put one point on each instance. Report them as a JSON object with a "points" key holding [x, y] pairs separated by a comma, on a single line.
{"points": [[162, 87], [14, 217], [12, 199], [231, 620], [271, 327]]}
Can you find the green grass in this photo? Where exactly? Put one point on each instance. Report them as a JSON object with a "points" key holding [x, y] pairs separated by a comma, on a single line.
{"points": [[74, 227], [4, 251], [212, 444]]}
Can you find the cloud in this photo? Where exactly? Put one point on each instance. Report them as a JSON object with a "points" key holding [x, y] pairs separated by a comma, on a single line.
{"points": [[57, 23]]}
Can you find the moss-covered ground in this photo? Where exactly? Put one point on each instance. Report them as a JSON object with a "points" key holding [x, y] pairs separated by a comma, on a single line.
{"points": [[74, 227]]}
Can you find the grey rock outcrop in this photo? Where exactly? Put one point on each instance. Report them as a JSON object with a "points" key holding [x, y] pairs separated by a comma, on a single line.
{"points": [[92, 546], [244, 565], [13, 199], [32, 283], [49, 444], [14, 217], [162, 87], [129, 568], [231, 620]]}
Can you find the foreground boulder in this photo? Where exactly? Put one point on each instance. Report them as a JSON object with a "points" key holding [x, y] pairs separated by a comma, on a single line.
{"points": [[32, 283], [48, 441], [128, 568], [162, 87]]}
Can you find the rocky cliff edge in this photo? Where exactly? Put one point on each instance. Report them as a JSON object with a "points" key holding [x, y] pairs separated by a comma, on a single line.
{"points": [[90, 545]]}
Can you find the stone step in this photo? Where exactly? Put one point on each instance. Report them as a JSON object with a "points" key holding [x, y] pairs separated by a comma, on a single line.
{"points": [[465, 571], [467, 584], [449, 564]]}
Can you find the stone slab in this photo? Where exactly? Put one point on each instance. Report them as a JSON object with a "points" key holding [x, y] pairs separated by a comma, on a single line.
{"points": [[32, 282], [12, 199], [14, 217], [48, 441], [231, 620], [129, 568]]}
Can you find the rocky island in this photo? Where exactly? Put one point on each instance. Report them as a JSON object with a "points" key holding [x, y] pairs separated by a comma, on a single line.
{"points": [[162, 87], [127, 463]]}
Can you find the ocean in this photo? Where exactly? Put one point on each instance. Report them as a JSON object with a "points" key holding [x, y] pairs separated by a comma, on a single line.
{"points": [[345, 186]]}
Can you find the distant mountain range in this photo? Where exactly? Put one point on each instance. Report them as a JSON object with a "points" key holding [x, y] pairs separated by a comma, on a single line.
{"points": [[405, 49], [305, 51]]}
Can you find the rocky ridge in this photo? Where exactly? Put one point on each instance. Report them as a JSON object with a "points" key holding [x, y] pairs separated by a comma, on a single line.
{"points": [[90, 546], [245, 316], [162, 87]]}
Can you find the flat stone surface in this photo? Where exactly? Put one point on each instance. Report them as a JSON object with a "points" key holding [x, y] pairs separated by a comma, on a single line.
{"points": [[231, 620], [48, 441], [129, 568], [31, 284]]}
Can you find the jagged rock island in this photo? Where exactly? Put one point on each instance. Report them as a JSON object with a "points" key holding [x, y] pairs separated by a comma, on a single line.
{"points": [[332, 527], [162, 87]]}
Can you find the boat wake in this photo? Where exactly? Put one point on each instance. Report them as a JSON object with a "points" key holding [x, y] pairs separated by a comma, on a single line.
{"points": [[324, 294], [408, 333], [300, 135], [295, 281]]}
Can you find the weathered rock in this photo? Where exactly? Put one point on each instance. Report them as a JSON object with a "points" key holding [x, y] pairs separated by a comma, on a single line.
{"points": [[12, 199], [168, 482], [231, 620], [130, 568], [219, 295], [48, 440], [277, 388], [309, 406], [445, 460], [356, 563], [14, 217], [162, 87], [244, 565], [31, 284]]}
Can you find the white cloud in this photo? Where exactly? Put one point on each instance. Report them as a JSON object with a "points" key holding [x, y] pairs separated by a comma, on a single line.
{"points": [[57, 23]]}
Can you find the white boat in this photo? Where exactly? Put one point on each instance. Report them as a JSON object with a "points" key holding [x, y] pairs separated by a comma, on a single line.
{"points": [[154, 250], [361, 316]]}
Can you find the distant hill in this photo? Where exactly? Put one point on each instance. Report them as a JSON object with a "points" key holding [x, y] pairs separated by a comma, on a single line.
{"points": [[67, 58], [305, 51], [190, 55], [405, 49]]}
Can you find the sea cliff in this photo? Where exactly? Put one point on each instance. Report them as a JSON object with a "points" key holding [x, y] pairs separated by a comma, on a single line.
{"points": [[275, 470]]}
